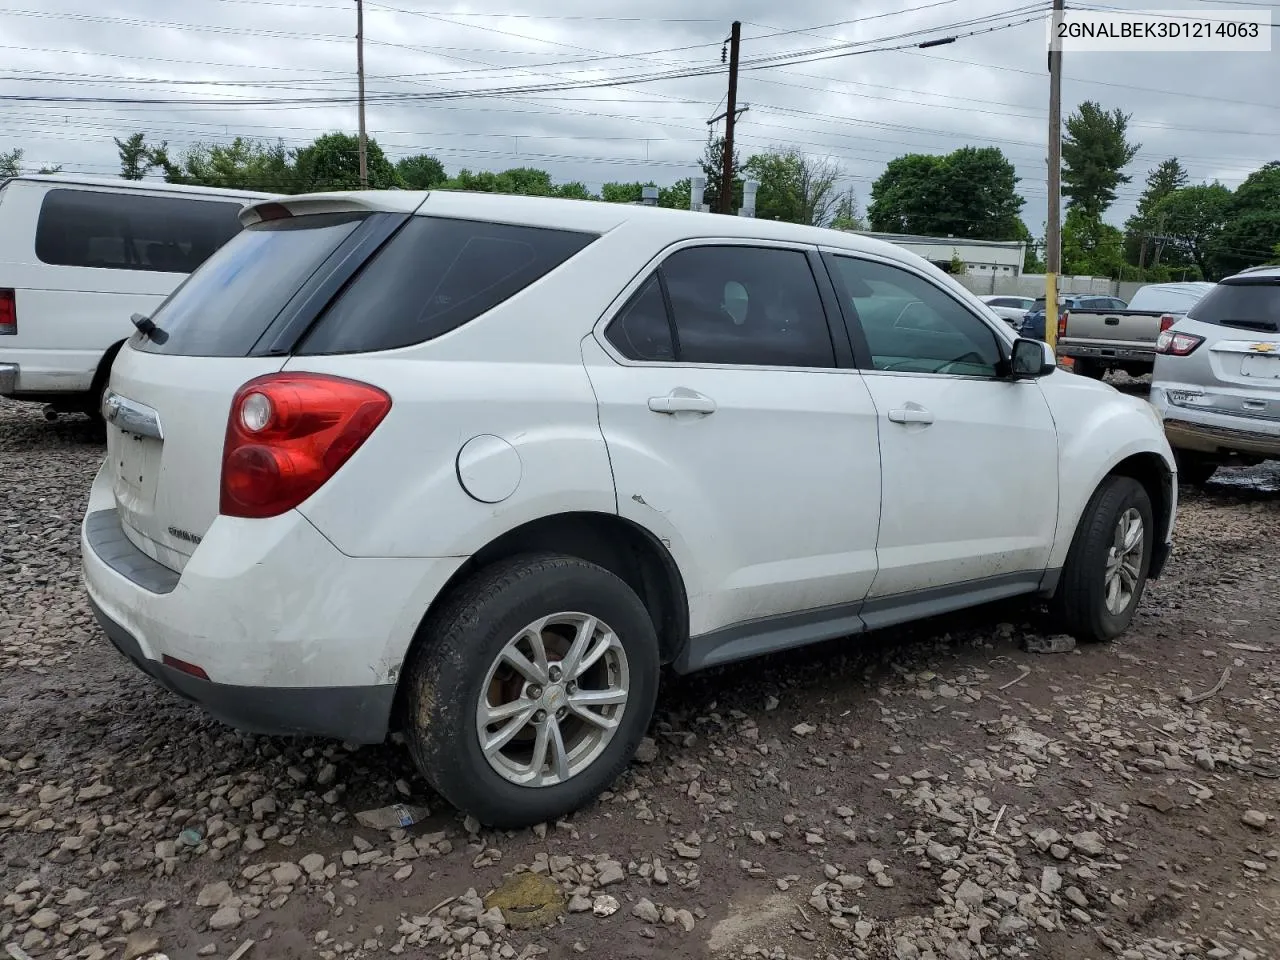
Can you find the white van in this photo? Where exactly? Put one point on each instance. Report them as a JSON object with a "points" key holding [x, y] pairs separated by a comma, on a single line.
{"points": [[78, 258]]}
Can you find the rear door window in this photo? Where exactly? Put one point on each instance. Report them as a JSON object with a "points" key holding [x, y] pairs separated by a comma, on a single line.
{"points": [[132, 231], [1244, 304], [223, 308], [435, 275]]}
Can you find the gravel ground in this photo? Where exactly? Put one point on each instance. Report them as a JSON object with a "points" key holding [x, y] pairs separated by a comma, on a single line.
{"points": [[937, 792]]}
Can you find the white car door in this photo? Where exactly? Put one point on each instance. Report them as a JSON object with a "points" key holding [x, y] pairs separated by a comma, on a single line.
{"points": [[969, 459], [741, 435]]}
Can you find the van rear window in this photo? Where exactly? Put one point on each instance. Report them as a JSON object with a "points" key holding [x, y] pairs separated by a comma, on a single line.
{"points": [[131, 231]]}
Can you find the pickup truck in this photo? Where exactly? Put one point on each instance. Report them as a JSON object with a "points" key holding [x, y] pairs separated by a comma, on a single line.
{"points": [[1098, 340]]}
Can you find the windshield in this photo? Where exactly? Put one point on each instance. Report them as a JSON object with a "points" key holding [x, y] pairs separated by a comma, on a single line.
{"points": [[226, 305], [1249, 305]]}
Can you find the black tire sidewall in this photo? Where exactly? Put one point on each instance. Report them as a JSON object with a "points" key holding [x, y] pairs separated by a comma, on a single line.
{"points": [[450, 752], [1120, 494]]}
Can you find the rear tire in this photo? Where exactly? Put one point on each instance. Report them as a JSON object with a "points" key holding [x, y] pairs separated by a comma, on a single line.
{"points": [[1106, 569], [466, 666]]}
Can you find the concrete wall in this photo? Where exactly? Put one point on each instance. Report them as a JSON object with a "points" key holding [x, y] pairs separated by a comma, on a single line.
{"points": [[1032, 285]]}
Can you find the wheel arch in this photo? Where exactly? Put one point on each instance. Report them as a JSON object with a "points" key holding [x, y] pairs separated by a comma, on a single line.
{"points": [[624, 548], [1152, 471], [103, 373]]}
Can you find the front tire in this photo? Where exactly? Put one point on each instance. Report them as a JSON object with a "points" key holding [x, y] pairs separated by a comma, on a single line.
{"points": [[1107, 566], [529, 690]]}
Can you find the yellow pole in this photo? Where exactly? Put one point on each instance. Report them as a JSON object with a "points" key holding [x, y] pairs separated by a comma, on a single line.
{"points": [[1051, 309], [1053, 228]]}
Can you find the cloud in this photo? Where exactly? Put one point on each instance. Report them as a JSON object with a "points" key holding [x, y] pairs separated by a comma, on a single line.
{"points": [[249, 63]]}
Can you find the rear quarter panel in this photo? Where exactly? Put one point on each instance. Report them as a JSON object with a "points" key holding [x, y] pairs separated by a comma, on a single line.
{"points": [[515, 373]]}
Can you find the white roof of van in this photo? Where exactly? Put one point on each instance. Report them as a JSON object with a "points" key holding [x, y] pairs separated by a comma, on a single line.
{"points": [[149, 186]]}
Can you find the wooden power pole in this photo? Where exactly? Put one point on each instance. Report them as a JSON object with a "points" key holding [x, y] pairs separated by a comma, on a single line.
{"points": [[730, 118], [364, 141], [1053, 228]]}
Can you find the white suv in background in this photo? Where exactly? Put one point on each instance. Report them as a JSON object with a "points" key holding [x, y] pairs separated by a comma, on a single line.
{"points": [[80, 256], [479, 466]]}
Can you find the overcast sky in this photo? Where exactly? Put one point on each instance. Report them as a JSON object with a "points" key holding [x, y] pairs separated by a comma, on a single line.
{"points": [[1217, 112]]}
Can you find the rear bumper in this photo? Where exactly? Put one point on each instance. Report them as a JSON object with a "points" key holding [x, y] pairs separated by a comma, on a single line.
{"points": [[1207, 431], [294, 637], [1118, 352], [353, 714], [39, 373]]}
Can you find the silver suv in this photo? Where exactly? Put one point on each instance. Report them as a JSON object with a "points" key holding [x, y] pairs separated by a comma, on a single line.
{"points": [[1217, 376]]}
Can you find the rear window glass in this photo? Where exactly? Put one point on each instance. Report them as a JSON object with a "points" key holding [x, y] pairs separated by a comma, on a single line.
{"points": [[131, 231], [223, 308], [1249, 306], [435, 275]]}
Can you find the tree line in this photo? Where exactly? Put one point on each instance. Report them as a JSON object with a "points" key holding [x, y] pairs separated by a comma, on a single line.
{"points": [[1179, 230]]}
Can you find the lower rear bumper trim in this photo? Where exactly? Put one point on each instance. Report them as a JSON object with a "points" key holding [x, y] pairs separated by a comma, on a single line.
{"points": [[354, 714]]}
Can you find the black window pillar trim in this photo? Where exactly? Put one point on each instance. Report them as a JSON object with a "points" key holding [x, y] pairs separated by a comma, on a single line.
{"points": [[304, 308], [837, 324], [844, 304]]}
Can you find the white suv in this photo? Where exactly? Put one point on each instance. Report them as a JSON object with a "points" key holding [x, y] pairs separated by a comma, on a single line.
{"points": [[479, 466]]}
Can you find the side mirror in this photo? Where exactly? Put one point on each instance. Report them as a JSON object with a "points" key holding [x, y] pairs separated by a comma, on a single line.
{"points": [[1031, 359]]}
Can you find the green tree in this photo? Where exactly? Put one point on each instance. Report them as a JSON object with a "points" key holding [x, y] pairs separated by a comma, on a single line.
{"points": [[678, 196], [1161, 181], [574, 190], [240, 165], [1095, 151], [622, 192], [137, 159], [846, 215], [1253, 226], [1091, 247], [971, 192], [957, 267], [712, 164], [11, 163], [793, 187], [420, 172], [1196, 216], [332, 162]]}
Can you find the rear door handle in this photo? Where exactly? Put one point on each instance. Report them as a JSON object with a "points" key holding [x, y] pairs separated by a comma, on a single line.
{"points": [[911, 414], [682, 401], [1112, 321]]}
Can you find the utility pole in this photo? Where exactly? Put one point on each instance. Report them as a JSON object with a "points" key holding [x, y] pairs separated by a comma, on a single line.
{"points": [[1053, 229], [364, 141], [730, 118]]}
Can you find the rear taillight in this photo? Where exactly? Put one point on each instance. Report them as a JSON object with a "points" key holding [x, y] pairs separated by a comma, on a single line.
{"points": [[1166, 321], [8, 313], [1177, 344], [1062, 325], [287, 434]]}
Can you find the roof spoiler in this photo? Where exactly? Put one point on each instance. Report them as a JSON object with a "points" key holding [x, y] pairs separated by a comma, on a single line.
{"points": [[308, 204]]}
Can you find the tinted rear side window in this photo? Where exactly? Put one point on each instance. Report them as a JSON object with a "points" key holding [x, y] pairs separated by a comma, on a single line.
{"points": [[1251, 305], [131, 231], [224, 307], [435, 275]]}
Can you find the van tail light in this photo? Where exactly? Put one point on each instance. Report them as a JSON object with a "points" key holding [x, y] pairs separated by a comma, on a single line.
{"points": [[287, 434], [1177, 344], [1062, 325], [1166, 321], [8, 313]]}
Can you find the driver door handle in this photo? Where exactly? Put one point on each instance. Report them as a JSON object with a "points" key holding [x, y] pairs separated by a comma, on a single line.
{"points": [[912, 413], [682, 401]]}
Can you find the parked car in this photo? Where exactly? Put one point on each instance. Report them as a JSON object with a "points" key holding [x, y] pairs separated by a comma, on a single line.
{"points": [[476, 466], [1033, 322], [78, 257], [1010, 309], [1217, 376], [1101, 337]]}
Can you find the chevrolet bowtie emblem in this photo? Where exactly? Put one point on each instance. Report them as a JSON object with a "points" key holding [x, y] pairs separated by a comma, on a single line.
{"points": [[1264, 347]]}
